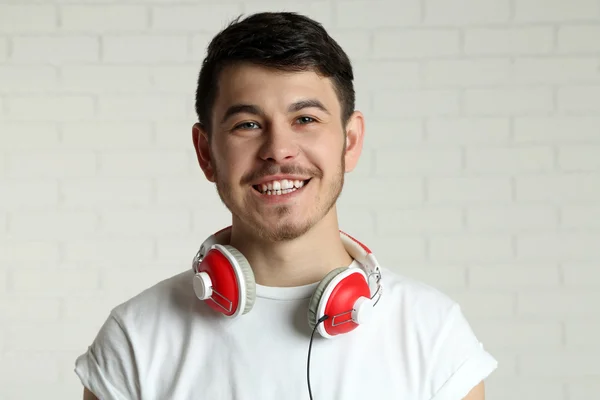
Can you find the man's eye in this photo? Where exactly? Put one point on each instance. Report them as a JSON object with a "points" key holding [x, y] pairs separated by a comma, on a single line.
{"points": [[305, 120], [247, 125]]}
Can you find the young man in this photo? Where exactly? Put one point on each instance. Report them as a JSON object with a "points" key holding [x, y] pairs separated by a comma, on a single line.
{"points": [[277, 132]]}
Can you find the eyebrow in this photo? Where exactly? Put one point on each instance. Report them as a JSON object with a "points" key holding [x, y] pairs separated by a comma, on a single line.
{"points": [[256, 110]]}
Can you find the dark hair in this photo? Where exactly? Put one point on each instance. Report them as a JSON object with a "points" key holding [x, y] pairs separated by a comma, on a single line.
{"points": [[281, 40]]}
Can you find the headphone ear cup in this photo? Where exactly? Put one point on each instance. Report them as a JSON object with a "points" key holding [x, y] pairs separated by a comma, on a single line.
{"points": [[317, 295], [247, 276]]}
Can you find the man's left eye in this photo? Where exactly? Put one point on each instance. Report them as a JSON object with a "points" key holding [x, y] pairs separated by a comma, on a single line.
{"points": [[305, 120]]}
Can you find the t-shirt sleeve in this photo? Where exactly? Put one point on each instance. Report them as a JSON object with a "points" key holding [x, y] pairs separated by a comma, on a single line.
{"points": [[459, 360], [108, 367]]}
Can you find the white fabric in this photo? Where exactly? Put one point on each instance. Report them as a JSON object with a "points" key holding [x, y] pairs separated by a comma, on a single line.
{"points": [[167, 344]]}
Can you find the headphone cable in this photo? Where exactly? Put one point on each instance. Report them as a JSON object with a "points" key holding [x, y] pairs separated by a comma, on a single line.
{"points": [[309, 352]]}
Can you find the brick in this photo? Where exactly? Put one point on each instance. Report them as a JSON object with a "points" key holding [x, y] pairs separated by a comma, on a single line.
{"points": [[396, 251], [511, 218], [149, 222], [441, 277], [468, 130], [374, 75], [579, 39], [416, 103], [321, 10], [569, 304], [418, 161], [583, 390], [138, 49], [175, 78], [141, 107], [511, 277], [461, 73], [559, 364], [42, 366], [175, 17], [21, 193], [19, 251], [56, 337], [116, 251], [556, 10], [577, 275], [579, 98], [557, 129], [419, 220], [55, 282], [55, 49], [103, 135], [355, 44], [555, 70], [394, 192], [193, 191], [509, 159], [579, 158], [129, 282], [56, 224], [174, 249], [55, 164], [376, 14], [452, 12], [199, 43], [85, 194], [415, 43], [28, 79], [524, 335], [103, 18], [384, 132], [149, 164], [484, 304], [582, 335], [51, 108], [480, 248], [22, 308], [106, 78], [3, 49], [508, 41], [27, 135], [500, 388], [30, 18], [469, 190], [508, 101], [558, 189], [86, 307], [559, 247]]}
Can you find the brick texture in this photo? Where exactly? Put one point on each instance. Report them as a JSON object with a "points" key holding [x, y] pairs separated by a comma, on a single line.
{"points": [[480, 173]]}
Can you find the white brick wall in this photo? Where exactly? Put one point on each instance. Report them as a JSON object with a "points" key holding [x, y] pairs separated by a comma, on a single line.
{"points": [[481, 172]]}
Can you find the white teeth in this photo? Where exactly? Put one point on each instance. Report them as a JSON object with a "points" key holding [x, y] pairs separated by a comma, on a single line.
{"points": [[283, 186]]}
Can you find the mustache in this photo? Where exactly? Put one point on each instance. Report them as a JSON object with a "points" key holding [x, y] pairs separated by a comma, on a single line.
{"points": [[272, 169]]}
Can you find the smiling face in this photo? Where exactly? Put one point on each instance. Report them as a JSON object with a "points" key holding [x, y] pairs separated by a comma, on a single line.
{"points": [[278, 152]]}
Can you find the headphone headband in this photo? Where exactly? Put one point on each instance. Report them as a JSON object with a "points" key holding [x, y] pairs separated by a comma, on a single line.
{"points": [[356, 249]]}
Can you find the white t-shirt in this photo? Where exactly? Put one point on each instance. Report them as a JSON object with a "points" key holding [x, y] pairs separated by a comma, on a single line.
{"points": [[166, 344]]}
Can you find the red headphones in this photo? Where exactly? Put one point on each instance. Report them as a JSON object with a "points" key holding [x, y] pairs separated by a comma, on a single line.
{"points": [[342, 300]]}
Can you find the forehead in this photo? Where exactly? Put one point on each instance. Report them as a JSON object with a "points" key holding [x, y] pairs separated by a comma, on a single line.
{"points": [[272, 89]]}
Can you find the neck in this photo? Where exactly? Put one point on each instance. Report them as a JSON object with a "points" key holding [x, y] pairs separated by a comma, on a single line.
{"points": [[304, 260]]}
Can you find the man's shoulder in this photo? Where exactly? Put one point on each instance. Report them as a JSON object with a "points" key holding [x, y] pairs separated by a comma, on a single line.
{"points": [[415, 303], [170, 295]]}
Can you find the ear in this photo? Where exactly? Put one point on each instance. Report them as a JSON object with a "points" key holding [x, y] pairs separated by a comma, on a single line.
{"points": [[202, 146], [355, 131]]}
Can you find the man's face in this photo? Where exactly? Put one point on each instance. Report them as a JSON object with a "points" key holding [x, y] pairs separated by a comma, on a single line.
{"points": [[278, 151]]}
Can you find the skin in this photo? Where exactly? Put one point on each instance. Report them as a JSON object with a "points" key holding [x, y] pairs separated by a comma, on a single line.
{"points": [[297, 241]]}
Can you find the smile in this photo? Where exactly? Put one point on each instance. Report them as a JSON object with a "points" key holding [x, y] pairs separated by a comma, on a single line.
{"points": [[281, 187]]}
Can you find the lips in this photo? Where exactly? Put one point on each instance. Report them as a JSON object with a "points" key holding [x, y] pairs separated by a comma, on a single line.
{"points": [[280, 187]]}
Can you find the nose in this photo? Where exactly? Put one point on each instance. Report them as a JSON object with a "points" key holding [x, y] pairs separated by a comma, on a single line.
{"points": [[279, 145]]}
